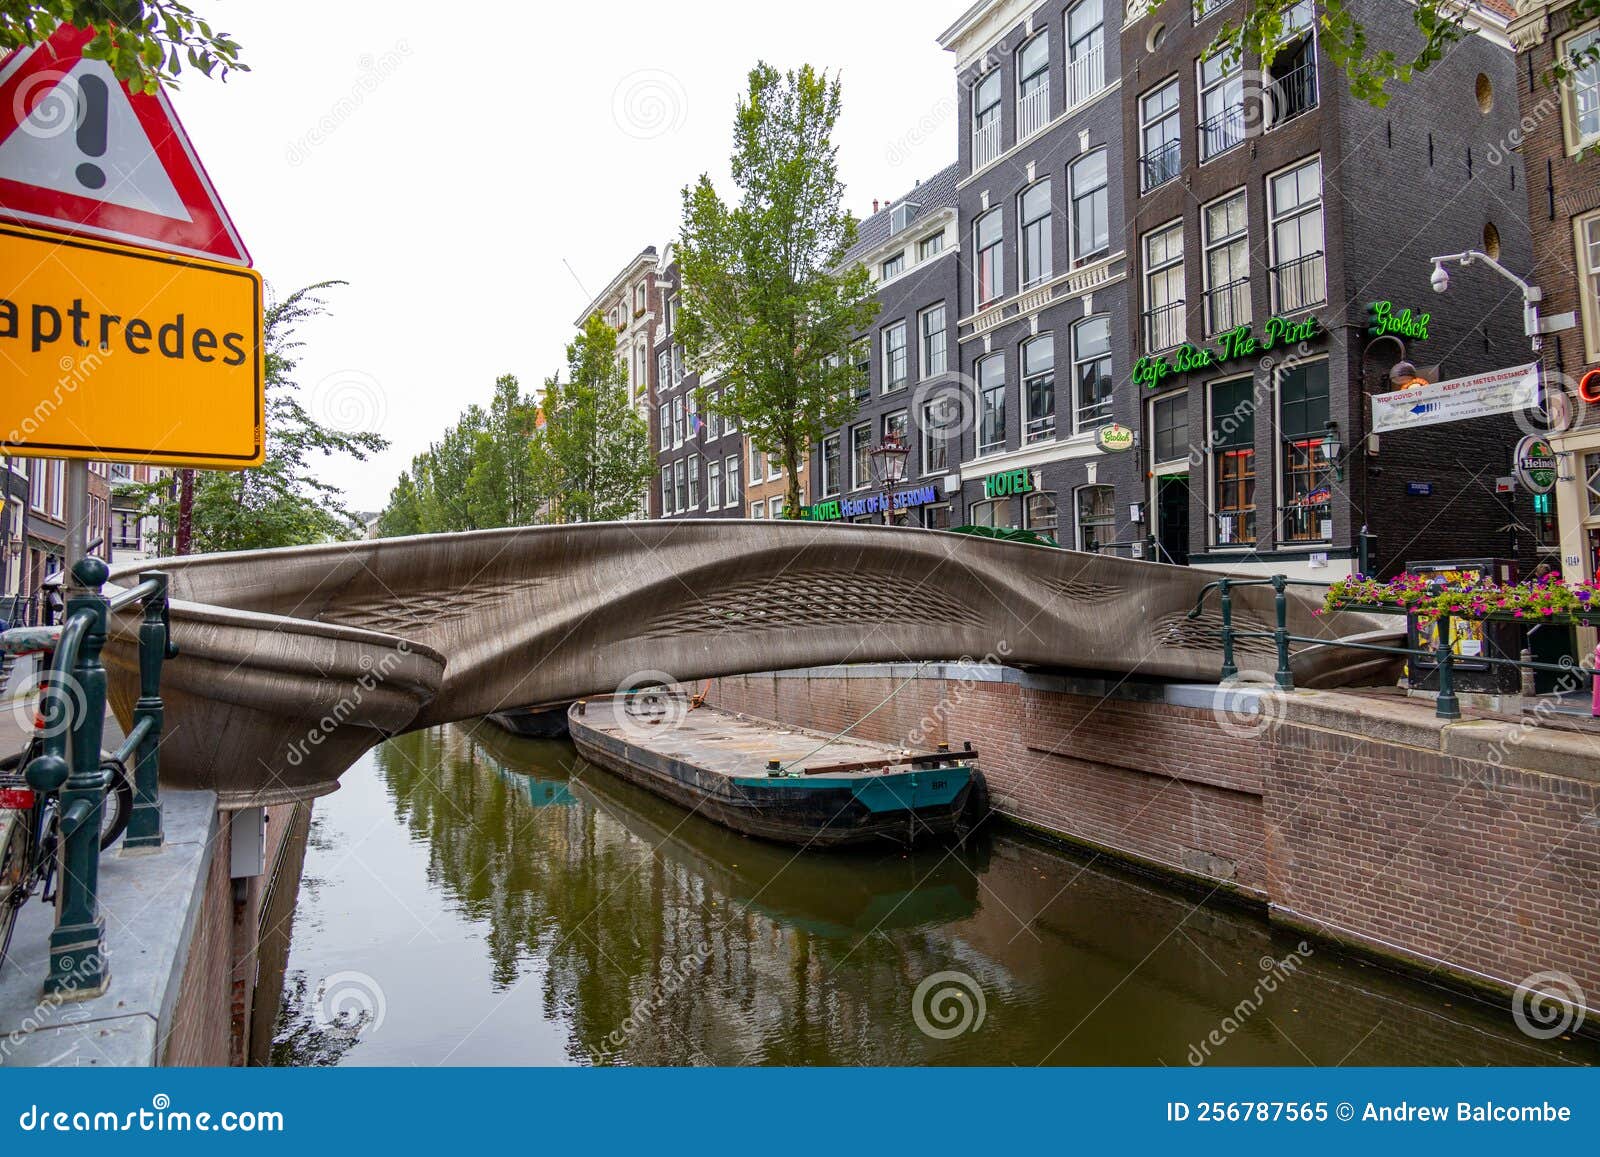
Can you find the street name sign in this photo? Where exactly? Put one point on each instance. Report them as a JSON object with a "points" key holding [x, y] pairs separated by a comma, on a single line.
{"points": [[128, 355], [80, 153], [1498, 392]]}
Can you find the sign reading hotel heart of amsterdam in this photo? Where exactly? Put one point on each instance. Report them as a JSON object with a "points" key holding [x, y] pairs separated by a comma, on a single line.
{"points": [[1237, 343], [1497, 392], [1383, 320], [129, 355], [871, 504], [1115, 438], [1536, 464]]}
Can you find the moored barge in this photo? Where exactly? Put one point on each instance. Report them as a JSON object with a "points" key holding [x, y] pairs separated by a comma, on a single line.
{"points": [[775, 782]]}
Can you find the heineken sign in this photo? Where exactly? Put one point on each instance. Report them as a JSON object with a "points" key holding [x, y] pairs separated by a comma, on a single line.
{"points": [[1238, 343], [841, 508], [1382, 320], [1008, 483], [1536, 464]]}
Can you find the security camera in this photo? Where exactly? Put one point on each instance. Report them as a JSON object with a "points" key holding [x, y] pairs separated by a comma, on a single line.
{"points": [[1441, 279]]}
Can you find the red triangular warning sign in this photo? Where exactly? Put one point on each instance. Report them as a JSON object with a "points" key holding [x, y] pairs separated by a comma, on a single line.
{"points": [[80, 153]]}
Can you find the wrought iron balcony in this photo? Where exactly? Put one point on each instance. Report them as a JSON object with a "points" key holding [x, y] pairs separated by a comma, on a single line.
{"points": [[1291, 94], [1299, 283], [1304, 521], [1222, 132], [1165, 326], [1228, 306], [1234, 528], [1160, 165]]}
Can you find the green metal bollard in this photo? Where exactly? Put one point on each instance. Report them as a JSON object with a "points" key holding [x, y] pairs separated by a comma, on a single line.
{"points": [[144, 828], [78, 967], [1448, 707], [1280, 636], [1224, 592]]}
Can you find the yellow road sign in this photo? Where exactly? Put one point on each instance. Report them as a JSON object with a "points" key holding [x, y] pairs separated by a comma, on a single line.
{"points": [[128, 355]]}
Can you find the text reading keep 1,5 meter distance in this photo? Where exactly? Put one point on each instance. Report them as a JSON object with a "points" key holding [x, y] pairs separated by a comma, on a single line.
{"points": [[128, 355]]}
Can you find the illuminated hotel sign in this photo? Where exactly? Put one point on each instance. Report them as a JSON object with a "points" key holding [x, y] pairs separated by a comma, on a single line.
{"points": [[1240, 342], [1008, 483], [841, 508]]}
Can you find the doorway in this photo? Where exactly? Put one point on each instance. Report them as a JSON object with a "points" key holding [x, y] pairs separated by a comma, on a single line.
{"points": [[1172, 518]]}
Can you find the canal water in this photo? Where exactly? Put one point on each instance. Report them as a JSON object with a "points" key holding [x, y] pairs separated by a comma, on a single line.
{"points": [[469, 898]]}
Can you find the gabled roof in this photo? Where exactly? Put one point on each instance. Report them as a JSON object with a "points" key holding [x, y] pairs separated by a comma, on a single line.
{"points": [[937, 192]]}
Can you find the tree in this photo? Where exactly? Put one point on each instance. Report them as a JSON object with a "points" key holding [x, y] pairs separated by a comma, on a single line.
{"points": [[1263, 27], [500, 483], [281, 502], [146, 42], [768, 305], [593, 458], [403, 515]]}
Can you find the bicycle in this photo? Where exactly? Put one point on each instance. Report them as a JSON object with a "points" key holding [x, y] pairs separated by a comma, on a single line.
{"points": [[30, 819]]}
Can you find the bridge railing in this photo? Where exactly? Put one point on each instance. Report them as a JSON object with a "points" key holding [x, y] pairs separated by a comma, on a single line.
{"points": [[1448, 703], [66, 758]]}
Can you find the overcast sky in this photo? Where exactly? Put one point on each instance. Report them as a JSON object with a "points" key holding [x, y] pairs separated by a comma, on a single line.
{"points": [[451, 176]]}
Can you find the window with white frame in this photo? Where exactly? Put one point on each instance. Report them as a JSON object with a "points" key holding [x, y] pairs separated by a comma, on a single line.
{"points": [[664, 426], [1591, 482], [935, 341], [666, 489], [1289, 83], [680, 484], [1033, 86], [986, 119], [830, 464], [1581, 92], [713, 419], [730, 479], [1294, 206], [1091, 371], [930, 246], [38, 490], [670, 315], [1204, 8], [1039, 388], [1097, 517], [1086, 57], [758, 510], [1587, 239], [775, 508], [893, 267], [694, 481], [677, 422], [1033, 210], [895, 356], [992, 404], [677, 365], [58, 487], [1164, 304], [664, 368], [1227, 267], [860, 456], [1160, 145], [1091, 228], [989, 234], [1222, 121], [940, 418], [1039, 512], [714, 485]]}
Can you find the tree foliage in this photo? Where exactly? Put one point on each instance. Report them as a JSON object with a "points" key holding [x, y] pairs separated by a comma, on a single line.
{"points": [[593, 458], [768, 307], [283, 502], [146, 42]]}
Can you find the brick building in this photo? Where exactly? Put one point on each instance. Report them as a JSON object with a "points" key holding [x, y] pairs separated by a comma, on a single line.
{"points": [[1556, 141]]}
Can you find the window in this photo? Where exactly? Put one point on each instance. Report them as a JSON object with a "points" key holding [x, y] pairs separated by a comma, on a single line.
{"points": [[758, 464], [664, 427], [862, 351], [1307, 474], [729, 426], [1160, 151], [930, 246], [677, 365], [730, 476], [775, 508], [986, 119], [1591, 474], [692, 407], [774, 467], [1039, 512], [1033, 86], [939, 422], [1221, 105], [1289, 87], [666, 489], [1091, 370], [758, 510], [830, 464], [1295, 223], [670, 320], [1169, 419], [1233, 462], [1039, 388], [1588, 248], [1034, 211], [996, 513], [935, 342], [677, 422], [694, 481], [713, 485], [897, 425], [1086, 61], [1582, 89], [1097, 517], [860, 456], [680, 484], [664, 368], [1164, 320], [638, 298], [894, 356], [58, 487], [991, 404], [990, 233], [1204, 8], [38, 489], [1227, 266], [713, 419], [1091, 230], [893, 267], [936, 516]]}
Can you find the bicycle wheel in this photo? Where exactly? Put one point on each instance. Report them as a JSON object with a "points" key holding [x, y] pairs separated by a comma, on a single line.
{"points": [[117, 808], [16, 846]]}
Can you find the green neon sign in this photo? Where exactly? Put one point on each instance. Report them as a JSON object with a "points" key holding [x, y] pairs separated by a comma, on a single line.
{"points": [[1383, 320], [1240, 342], [1008, 483]]}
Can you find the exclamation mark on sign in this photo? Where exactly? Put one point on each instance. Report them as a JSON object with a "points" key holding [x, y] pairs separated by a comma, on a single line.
{"points": [[93, 99]]}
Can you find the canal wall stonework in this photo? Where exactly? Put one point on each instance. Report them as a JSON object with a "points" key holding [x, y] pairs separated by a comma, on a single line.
{"points": [[1467, 850]]}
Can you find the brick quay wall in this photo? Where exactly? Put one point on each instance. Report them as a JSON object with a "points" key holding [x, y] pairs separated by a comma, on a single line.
{"points": [[1469, 851]]}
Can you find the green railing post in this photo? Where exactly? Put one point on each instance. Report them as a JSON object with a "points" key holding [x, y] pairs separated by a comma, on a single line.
{"points": [[144, 828], [77, 946], [1280, 635], [1224, 592], [1449, 707]]}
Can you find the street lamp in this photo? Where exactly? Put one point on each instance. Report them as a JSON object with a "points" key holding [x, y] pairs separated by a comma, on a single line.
{"points": [[890, 456], [1332, 448]]}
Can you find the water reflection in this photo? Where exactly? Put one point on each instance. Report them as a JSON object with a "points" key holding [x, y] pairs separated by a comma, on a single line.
{"points": [[516, 906]]}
